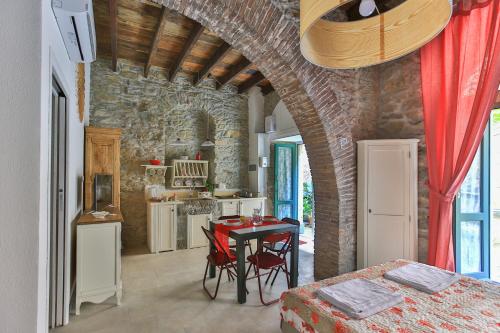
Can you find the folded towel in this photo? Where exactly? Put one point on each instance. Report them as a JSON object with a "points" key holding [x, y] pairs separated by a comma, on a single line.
{"points": [[422, 277], [359, 298]]}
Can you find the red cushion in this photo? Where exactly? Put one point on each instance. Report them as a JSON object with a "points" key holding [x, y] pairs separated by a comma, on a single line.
{"points": [[266, 260], [219, 259]]}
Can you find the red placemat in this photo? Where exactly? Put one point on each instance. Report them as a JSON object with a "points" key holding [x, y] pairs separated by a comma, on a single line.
{"points": [[222, 230]]}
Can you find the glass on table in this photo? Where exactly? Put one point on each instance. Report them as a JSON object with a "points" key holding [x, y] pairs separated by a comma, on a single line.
{"points": [[257, 216]]}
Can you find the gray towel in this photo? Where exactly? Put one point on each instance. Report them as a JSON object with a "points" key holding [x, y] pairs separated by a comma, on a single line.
{"points": [[359, 298], [422, 277]]}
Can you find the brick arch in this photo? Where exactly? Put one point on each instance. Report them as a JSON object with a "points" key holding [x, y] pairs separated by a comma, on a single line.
{"points": [[259, 31]]}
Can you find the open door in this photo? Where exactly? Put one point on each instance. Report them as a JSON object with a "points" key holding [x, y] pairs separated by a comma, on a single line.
{"points": [[58, 232], [285, 180]]}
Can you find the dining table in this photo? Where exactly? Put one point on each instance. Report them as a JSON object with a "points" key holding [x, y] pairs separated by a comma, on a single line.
{"points": [[250, 231]]}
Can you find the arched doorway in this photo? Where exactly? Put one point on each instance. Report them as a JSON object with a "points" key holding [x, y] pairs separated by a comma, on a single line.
{"points": [[268, 39]]}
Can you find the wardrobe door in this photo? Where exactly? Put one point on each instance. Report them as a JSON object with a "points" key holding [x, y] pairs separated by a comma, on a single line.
{"points": [[388, 202]]}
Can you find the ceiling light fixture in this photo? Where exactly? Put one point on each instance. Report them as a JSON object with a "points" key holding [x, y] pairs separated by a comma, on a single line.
{"points": [[367, 7], [373, 40], [178, 143], [208, 143]]}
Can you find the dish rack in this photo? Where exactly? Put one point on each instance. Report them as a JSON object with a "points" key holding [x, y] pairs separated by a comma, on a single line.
{"points": [[189, 173]]}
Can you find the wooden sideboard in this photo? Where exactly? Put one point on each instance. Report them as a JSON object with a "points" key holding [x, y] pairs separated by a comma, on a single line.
{"points": [[102, 156]]}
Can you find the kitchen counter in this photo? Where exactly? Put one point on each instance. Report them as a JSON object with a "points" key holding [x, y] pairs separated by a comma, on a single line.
{"points": [[181, 202], [114, 216]]}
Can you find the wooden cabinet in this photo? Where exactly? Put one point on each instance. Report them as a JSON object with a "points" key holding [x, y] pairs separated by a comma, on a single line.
{"points": [[242, 206], [387, 201], [196, 237], [98, 258], [102, 156], [161, 226], [231, 207], [248, 205]]}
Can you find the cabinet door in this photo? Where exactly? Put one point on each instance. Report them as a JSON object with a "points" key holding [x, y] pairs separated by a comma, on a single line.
{"points": [[196, 237], [166, 227], [388, 203], [231, 208], [247, 207], [97, 257]]}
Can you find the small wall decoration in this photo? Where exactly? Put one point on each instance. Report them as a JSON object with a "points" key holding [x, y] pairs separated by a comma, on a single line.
{"points": [[81, 90], [370, 41]]}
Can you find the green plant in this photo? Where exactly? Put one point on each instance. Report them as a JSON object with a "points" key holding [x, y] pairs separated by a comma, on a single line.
{"points": [[308, 199], [209, 186]]}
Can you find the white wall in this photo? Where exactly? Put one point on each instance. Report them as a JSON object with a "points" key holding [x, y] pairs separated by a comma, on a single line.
{"points": [[256, 140], [20, 67], [30, 48], [285, 125], [55, 61]]}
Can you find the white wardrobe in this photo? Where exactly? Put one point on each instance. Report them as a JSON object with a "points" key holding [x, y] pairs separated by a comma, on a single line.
{"points": [[387, 226]]}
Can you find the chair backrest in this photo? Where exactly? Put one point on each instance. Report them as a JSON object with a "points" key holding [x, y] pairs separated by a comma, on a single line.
{"points": [[229, 217], [214, 242], [291, 221]]}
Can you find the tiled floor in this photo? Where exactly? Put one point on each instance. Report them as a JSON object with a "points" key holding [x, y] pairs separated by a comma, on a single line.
{"points": [[163, 293]]}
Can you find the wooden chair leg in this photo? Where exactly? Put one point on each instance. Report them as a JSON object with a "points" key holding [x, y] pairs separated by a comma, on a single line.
{"points": [[275, 275], [287, 274], [218, 282], [269, 276], [257, 272]]}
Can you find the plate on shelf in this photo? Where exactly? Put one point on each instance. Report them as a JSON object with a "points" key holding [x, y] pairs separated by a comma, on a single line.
{"points": [[198, 183], [188, 182], [178, 182], [100, 215]]}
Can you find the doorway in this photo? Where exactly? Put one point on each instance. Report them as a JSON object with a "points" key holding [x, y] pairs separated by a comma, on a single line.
{"points": [[293, 187], [57, 225], [477, 210]]}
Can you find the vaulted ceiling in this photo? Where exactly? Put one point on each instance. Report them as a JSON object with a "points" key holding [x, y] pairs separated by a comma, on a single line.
{"points": [[148, 34]]}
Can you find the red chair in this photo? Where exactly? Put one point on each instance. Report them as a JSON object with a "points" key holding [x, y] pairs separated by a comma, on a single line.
{"points": [[220, 258], [271, 245], [266, 260], [235, 217]]}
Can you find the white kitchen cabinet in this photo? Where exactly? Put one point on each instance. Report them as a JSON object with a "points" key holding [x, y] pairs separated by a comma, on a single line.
{"points": [[162, 226], [196, 237], [230, 207], [242, 206], [387, 201], [248, 205], [98, 258]]}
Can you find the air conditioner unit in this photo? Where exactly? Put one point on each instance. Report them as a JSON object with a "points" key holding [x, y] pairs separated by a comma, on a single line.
{"points": [[75, 19]]}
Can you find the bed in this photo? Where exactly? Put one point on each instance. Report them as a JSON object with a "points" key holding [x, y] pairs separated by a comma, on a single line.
{"points": [[469, 305]]}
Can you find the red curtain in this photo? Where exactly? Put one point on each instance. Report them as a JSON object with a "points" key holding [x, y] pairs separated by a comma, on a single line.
{"points": [[460, 72]]}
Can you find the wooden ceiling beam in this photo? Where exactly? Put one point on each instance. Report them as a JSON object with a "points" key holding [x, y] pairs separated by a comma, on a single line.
{"points": [[113, 24], [192, 39], [212, 62], [235, 70], [254, 80], [156, 39]]}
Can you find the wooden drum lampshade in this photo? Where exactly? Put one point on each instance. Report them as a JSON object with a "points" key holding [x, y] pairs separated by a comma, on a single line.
{"points": [[370, 41]]}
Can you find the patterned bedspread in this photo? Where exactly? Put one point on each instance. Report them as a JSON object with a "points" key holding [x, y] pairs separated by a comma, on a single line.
{"points": [[467, 306]]}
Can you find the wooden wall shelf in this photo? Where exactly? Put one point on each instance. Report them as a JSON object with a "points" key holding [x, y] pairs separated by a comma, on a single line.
{"points": [[183, 170]]}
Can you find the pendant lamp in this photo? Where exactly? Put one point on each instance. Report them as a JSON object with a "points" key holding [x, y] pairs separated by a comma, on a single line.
{"points": [[369, 41], [178, 143], [208, 143]]}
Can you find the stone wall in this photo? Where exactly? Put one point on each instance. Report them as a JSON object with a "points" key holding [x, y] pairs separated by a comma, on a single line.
{"points": [[152, 113], [401, 117]]}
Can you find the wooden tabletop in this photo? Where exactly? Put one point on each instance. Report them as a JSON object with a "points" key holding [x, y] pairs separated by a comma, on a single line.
{"points": [[114, 216]]}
